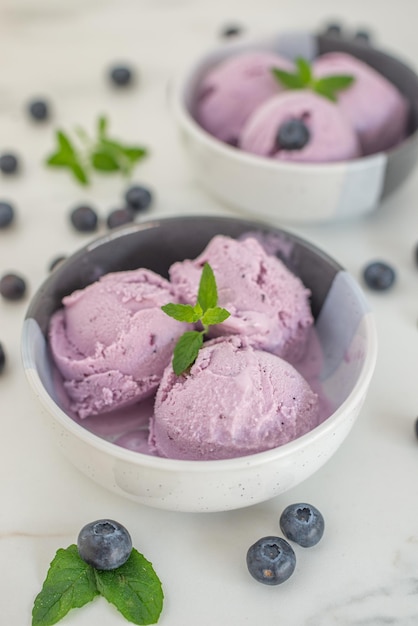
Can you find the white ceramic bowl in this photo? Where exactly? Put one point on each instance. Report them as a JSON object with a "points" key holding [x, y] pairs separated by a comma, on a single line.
{"points": [[296, 192], [344, 324]]}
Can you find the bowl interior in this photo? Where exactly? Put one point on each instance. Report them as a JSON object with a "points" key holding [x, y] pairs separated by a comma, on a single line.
{"points": [[340, 310]]}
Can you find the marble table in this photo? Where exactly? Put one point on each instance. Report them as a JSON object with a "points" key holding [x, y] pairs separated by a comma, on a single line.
{"points": [[365, 570]]}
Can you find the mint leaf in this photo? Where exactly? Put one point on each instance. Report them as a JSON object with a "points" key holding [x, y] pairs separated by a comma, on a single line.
{"points": [[65, 145], [70, 583], [207, 295], [304, 79], [287, 79], [79, 173], [186, 350], [335, 82], [181, 312], [67, 156], [134, 154], [58, 159], [134, 589], [215, 315], [328, 85], [104, 162], [304, 70]]}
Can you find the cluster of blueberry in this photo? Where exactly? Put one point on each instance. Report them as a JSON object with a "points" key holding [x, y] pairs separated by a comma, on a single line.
{"points": [[271, 560], [137, 198], [83, 218]]}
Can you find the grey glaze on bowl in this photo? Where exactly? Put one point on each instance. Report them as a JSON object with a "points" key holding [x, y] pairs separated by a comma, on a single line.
{"points": [[344, 325], [285, 192]]}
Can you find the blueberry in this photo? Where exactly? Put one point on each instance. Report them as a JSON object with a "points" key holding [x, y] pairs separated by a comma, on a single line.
{"points": [[119, 217], [138, 198], [38, 110], [362, 36], [104, 544], [271, 560], [333, 29], [303, 524], [121, 75], [231, 30], [7, 214], [9, 163], [2, 358], [292, 135], [84, 219], [379, 276], [12, 286]]}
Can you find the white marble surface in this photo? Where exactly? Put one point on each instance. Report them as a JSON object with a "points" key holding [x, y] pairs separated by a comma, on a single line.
{"points": [[365, 570]]}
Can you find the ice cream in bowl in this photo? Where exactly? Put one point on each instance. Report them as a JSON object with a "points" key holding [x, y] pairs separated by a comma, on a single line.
{"points": [[199, 363], [299, 127]]}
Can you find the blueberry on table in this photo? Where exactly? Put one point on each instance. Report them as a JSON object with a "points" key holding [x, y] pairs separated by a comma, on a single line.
{"points": [[362, 36], [38, 110], [9, 163], [84, 219], [333, 29], [119, 217], [303, 524], [7, 214], [271, 560], [121, 75], [292, 135], [379, 275], [104, 544], [231, 30], [12, 286], [138, 198], [2, 358]]}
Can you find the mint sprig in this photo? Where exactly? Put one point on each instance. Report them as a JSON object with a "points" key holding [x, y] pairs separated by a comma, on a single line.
{"points": [[102, 154], [134, 588], [206, 311], [303, 78]]}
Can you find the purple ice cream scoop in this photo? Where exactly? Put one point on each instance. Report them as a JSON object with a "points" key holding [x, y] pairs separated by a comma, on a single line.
{"points": [[267, 303], [375, 107], [232, 90], [111, 341], [234, 401], [328, 134]]}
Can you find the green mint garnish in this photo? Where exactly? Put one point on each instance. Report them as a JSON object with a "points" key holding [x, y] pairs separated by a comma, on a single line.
{"points": [[67, 156], [134, 588], [303, 79], [206, 310], [102, 154]]}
